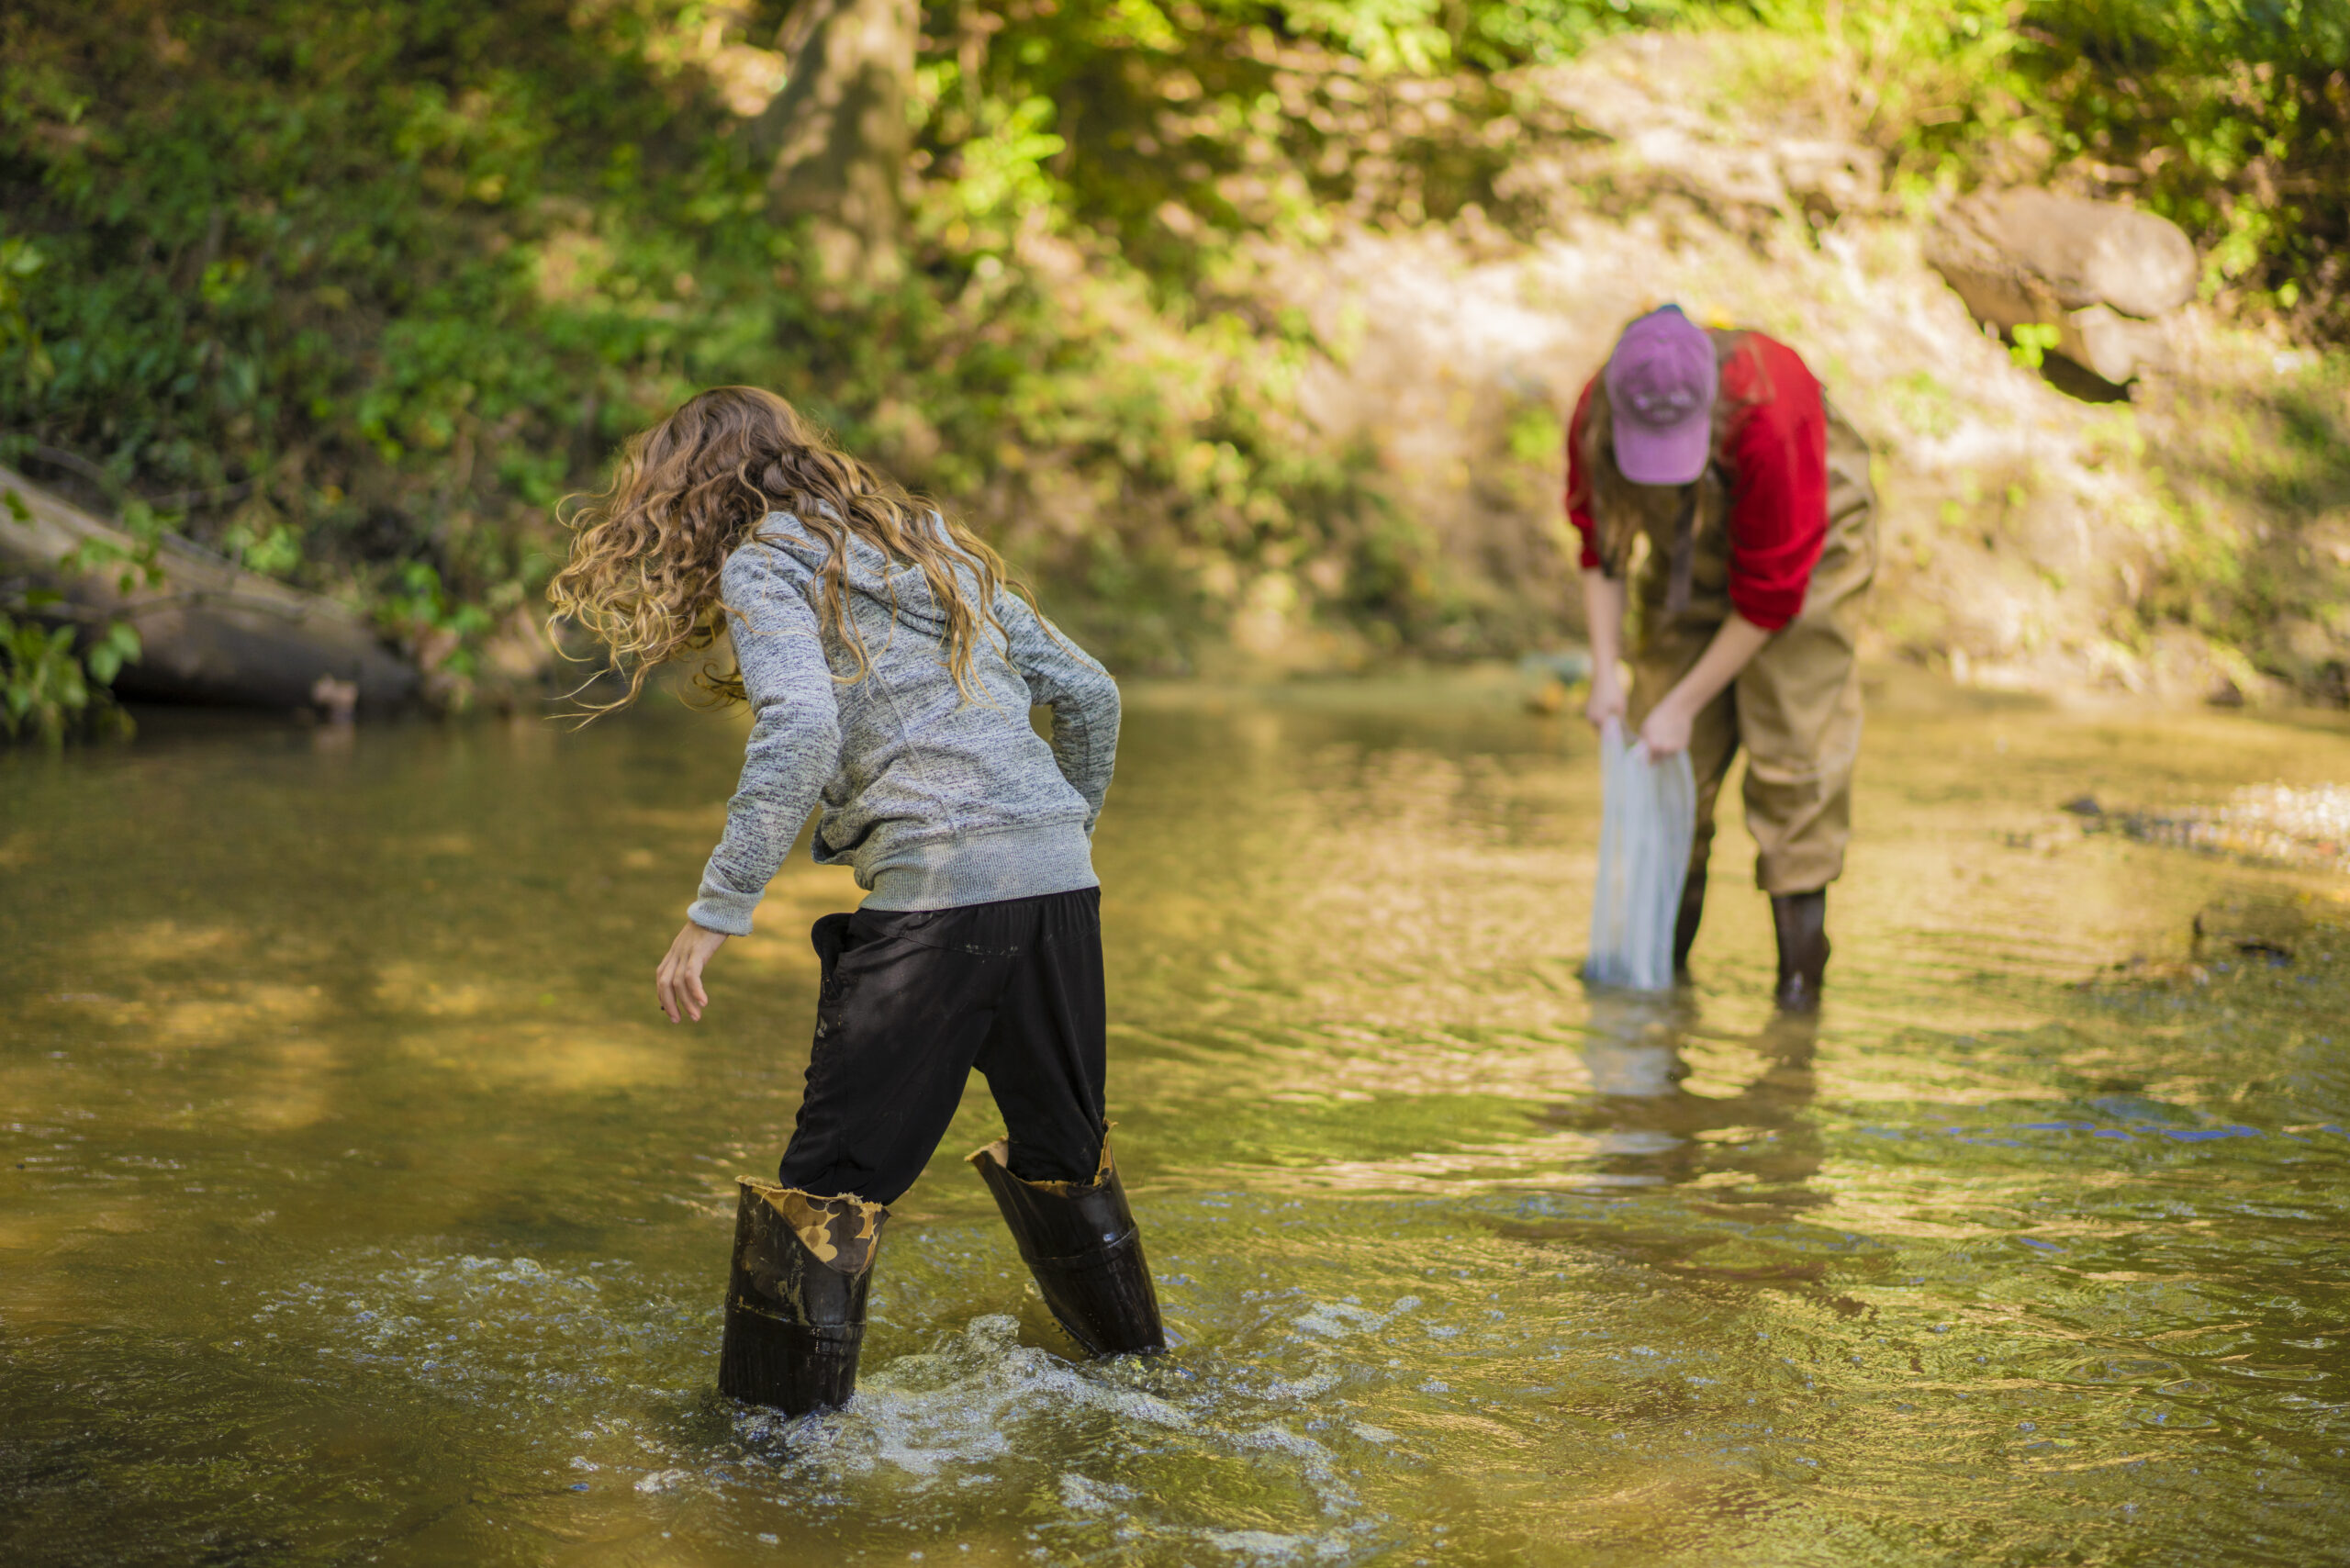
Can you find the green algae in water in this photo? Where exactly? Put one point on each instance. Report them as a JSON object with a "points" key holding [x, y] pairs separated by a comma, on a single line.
{"points": [[361, 1208]]}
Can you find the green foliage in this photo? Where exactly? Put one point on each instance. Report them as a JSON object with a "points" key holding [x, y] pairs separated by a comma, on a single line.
{"points": [[47, 690], [419, 608], [365, 290], [41, 684], [2258, 483], [2032, 339], [131, 563], [1536, 434], [46, 687], [395, 279], [116, 647], [20, 344], [2232, 117]]}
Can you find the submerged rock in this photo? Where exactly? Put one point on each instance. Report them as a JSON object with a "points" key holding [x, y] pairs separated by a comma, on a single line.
{"points": [[2254, 926], [2273, 823]]}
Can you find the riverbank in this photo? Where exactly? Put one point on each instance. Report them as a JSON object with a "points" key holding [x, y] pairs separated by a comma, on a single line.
{"points": [[1249, 344], [2189, 541]]}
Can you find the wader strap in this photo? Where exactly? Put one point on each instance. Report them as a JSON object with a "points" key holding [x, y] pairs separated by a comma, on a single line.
{"points": [[1685, 554], [1684, 564]]}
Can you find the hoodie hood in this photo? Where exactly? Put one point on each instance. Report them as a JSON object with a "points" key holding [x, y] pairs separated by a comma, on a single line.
{"points": [[904, 590]]}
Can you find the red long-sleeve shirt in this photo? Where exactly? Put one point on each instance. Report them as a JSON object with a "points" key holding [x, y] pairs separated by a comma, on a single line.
{"points": [[1776, 448]]}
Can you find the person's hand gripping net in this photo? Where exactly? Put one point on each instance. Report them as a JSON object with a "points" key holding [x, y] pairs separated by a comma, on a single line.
{"points": [[1607, 700], [677, 982]]}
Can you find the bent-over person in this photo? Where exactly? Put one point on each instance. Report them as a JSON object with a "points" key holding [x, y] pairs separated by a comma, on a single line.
{"points": [[889, 669], [1723, 501]]}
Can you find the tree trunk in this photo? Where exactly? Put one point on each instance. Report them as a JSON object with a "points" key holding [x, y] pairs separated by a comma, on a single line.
{"points": [[839, 136]]}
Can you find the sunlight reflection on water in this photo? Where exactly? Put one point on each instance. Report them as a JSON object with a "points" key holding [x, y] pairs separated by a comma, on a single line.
{"points": [[360, 1209]]}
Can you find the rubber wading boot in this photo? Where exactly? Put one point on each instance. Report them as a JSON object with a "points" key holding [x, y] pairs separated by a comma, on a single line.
{"points": [[1685, 925], [795, 1302], [1801, 921], [1081, 1241]]}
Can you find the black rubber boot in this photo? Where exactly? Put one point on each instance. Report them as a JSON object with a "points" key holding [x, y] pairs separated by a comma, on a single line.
{"points": [[1685, 925], [1081, 1241], [1801, 921], [795, 1303]]}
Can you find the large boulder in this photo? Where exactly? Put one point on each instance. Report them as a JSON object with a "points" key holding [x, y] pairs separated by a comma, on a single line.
{"points": [[2090, 252], [210, 630], [2099, 272]]}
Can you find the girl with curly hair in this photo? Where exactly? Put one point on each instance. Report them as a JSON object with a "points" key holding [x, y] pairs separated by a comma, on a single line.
{"points": [[889, 669]]}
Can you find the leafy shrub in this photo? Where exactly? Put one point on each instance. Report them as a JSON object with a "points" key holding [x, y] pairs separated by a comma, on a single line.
{"points": [[47, 689]]}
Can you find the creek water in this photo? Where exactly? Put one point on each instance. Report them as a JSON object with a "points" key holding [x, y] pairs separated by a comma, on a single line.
{"points": [[360, 1208]]}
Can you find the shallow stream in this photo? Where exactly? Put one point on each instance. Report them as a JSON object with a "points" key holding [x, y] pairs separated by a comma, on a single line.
{"points": [[355, 1204]]}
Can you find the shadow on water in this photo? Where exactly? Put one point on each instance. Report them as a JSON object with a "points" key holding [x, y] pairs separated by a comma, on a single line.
{"points": [[357, 1207]]}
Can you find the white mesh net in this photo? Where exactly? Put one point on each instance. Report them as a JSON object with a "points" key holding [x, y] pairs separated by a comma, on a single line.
{"points": [[1648, 816]]}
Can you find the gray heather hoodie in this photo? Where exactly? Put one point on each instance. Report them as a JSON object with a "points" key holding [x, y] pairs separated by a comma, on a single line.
{"points": [[935, 799]]}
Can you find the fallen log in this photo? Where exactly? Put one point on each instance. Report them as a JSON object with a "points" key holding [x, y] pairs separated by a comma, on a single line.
{"points": [[210, 632]]}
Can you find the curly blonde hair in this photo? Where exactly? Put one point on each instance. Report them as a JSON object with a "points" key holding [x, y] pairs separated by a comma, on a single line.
{"points": [[647, 551]]}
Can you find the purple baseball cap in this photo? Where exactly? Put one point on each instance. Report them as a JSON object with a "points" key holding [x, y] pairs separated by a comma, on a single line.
{"points": [[1660, 382]]}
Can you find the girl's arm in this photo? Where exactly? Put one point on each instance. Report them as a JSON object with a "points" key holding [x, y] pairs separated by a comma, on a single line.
{"points": [[795, 745], [1084, 699], [794, 748], [1603, 614]]}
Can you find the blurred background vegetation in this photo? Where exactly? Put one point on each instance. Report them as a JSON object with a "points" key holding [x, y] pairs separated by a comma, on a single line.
{"points": [[353, 293]]}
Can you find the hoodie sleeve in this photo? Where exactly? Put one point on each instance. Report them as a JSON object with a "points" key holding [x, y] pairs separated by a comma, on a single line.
{"points": [[1084, 699], [795, 743]]}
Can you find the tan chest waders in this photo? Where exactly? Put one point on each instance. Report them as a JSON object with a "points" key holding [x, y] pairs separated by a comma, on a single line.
{"points": [[1795, 709]]}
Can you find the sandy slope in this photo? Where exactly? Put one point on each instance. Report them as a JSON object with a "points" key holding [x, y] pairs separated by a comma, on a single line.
{"points": [[2031, 538]]}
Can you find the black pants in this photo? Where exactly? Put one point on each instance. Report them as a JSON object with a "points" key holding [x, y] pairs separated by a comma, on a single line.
{"points": [[912, 1000]]}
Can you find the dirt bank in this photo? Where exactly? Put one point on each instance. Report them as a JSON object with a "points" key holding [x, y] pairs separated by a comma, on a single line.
{"points": [[2190, 543]]}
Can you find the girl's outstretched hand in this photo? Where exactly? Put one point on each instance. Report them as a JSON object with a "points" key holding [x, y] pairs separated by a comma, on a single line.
{"points": [[677, 982]]}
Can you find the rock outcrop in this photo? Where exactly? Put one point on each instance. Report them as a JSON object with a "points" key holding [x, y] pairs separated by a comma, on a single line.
{"points": [[2032, 539], [2101, 274]]}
